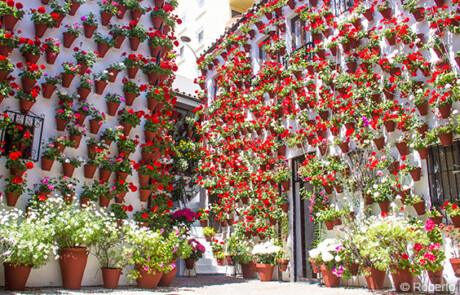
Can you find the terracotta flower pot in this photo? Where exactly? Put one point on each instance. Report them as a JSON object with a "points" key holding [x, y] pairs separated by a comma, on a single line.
{"points": [[203, 223], [132, 72], [121, 175], [61, 124], [329, 224], [455, 220], [401, 279], [67, 79], [104, 202], [31, 58], [436, 276], [353, 269], [135, 14], [283, 264], [113, 74], [68, 169], [330, 280], [89, 170], [73, 7], [75, 139], [390, 125], [118, 41], [134, 43], [445, 110], [423, 108], [143, 179], [446, 139], [384, 206], [148, 280], [11, 198], [9, 21], [73, 263], [105, 18], [83, 92], [111, 277], [126, 129], [94, 126], [423, 153], [129, 98], [112, 108], [46, 163], [379, 142], [375, 279], [40, 30], [48, 90], [25, 105], [69, 38], [102, 49], [157, 22], [100, 86], [265, 271], [168, 278], [248, 270], [16, 276], [420, 208], [121, 11], [189, 263], [416, 173], [104, 175], [28, 84], [455, 263], [51, 57], [144, 194], [403, 148], [89, 30]]}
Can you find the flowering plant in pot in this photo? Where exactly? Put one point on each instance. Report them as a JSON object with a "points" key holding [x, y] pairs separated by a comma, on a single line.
{"points": [[159, 44], [417, 202], [218, 247], [326, 254], [209, 233], [104, 43], [114, 69], [71, 32], [96, 121], [5, 90], [11, 13], [26, 243], [75, 229], [52, 48], [120, 212], [203, 216], [90, 24], [382, 193], [128, 118], [69, 164], [108, 9], [431, 258], [156, 72], [46, 186], [330, 216], [126, 146], [27, 100], [85, 60], [265, 256], [70, 70], [113, 101], [49, 155], [85, 86], [66, 187], [82, 111], [118, 34], [16, 165], [14, 188], [136, 9], [100, 81], [6, 67], [64, 114], [49, 85], [43, 20], [197, 251], [30, 49], [76, 132], [29, 75], [8, 42], [136, 34], [122, 168], [111, 134], [131, 90], [133, 62], [453, 211], [240, 250]]}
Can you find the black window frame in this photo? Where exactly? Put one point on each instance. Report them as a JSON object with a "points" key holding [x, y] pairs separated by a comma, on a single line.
{"points": [[341, 6]]}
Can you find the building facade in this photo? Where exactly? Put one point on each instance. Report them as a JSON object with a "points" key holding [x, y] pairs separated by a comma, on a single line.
{"points": [[297, 88]]}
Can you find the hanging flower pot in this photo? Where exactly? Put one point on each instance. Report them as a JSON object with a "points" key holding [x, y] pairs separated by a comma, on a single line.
{"points": [[46, 163], [446, 139], [102, 49], [126, 128], [168, 277], [74, 5], [330, 280], [423, 108], [89, 170], [73, 263], [61, 124], [455, 263], [157, 21], [9, 21], [390, 125], [420, 208], [16, 276], [147, 280], [435, 276], [25, 105], [134, 43], [68, 169], [384, 207], [105, 18], [31, 58], [89, 30], [51, 57], [48, 90], [40, 29], [445, 110], [112, 108], [203, 223], [83, 92], [144, 179], [121, 175], [375, 279], [265, 271], [344, 147], [455, 220], [439, 3], [144, 194], [129, 98], [423, 153], [28, 84], [94, 126], [330, 224], [132, 72], [402, 147], [104, 202], [75, 139], [11, 198], [118, 41], [104, 175], [113, 73], [386, 13], [121, 11], [416, 173], [159, 3], [401, 279], [100, 86], [67, 79], [111, 277], [379, 142], [69, 38]]}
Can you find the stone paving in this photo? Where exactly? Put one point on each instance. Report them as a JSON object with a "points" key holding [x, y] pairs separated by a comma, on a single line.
{"points": [[213, 285]]}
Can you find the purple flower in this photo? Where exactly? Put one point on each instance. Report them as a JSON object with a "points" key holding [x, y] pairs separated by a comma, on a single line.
{"points": [[365, 121]]}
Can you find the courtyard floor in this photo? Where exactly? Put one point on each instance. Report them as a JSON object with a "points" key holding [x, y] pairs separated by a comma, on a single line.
{"points": [[213, 285]]}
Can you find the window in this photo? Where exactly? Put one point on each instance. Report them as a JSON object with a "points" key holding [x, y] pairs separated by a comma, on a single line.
{"points": [[444, 173], [200, 36], [340, 6], [23, 134], [298, 33], [262, 53]]}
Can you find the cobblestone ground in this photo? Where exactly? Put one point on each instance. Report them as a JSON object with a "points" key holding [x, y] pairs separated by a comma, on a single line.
{"points": [[214, 285]]}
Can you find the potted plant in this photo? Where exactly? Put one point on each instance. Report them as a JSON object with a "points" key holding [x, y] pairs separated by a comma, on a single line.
{"points": [[107, 9], [69, 164], [27, 100], [43, 20], [197, 252], [453, 211], [113, 101], [72, 32], [6, 67], [240, 250], [114, 69], [128, 118], [76, 132], [119, 35], [84, 89], [104, 43], [264, 255], [29, 76], [49, 85], [89, 25], [100, 81], [84, 60], [133, 62], [136, 34], [52, 48], [27, 243], [96, 121], [417, 202], [50, 154], [70, 70], [203, 216], [14, 188], [11, 13], [131, 90], [325, 255], [209, 233]]}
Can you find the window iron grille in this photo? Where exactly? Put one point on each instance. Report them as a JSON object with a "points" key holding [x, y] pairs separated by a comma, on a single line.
{"points": [[308, 55], [341, 6]]}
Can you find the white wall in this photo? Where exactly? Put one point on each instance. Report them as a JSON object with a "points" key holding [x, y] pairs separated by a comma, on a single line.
{"points": [[49, 275]]}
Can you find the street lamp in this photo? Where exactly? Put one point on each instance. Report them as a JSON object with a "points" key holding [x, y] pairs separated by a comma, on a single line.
{"points": [[186, 40]]}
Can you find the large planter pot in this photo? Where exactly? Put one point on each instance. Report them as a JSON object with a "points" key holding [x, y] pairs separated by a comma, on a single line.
{"points": [[148, 280], [248, 270], [16, 276], [330, 280], [265, 271], [375, 279], [110, 277], [11, 199], [435, 276], [73, 263], [403, 280], [189, 263], [46, 163], [168, 278], [455, 263]]}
